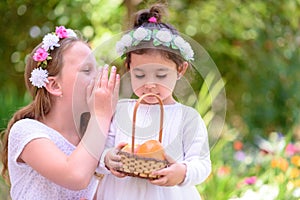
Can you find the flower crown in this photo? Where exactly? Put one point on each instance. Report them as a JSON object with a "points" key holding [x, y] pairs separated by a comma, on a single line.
{"points": [[42, 55], [162, 37]]}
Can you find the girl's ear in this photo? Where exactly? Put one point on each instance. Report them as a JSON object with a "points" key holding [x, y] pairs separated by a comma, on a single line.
{"points": [[53, 87], [182, 68]]}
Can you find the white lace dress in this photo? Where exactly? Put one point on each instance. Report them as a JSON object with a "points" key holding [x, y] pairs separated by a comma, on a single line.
{"points": [[184, 139], [26, 183]]}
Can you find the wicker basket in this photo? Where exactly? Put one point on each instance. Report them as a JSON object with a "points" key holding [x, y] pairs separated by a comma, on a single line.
{"points": [[137, 166]]}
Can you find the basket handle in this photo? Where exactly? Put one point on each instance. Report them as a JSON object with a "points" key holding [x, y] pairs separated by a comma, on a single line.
{"points": [[134, 117]]}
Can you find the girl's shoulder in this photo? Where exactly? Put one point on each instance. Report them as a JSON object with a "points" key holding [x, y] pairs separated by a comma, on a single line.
{"points": [[190, 115], [26, 130], [30, 123], [26, 127], [190, 110], [187, 110]]}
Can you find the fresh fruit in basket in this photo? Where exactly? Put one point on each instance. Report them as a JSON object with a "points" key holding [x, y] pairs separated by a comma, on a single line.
{"points": [[127, 148], [151, 149], [147, 157]]}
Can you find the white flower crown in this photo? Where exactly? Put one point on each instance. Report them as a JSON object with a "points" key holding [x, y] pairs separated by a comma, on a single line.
{"points": [[162, 37], [39, 76]]}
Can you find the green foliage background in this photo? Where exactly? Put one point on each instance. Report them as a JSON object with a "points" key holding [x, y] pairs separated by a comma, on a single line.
{"points": [[255, 45]]}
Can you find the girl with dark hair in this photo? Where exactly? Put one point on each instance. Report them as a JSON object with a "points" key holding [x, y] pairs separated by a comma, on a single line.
{"points": [[156, 57]]}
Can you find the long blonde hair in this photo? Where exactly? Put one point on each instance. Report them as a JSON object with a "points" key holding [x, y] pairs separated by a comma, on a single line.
{"points": [[42, 101]]}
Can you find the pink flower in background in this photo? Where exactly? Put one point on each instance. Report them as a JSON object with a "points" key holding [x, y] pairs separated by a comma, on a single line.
{"points": [[40, 55], [291, 149], [223, 171], [61, 32], [250, 180]]}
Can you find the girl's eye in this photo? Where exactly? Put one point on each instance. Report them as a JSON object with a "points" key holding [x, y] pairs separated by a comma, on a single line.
{"points": [[86, 68], [86, 71], [139, 76], [161, 75]]}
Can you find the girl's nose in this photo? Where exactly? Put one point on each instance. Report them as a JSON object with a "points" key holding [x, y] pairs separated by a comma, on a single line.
{"points": [[150, 85]]}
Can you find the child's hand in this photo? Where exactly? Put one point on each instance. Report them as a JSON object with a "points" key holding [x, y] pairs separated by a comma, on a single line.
{"points": [[172, 175], [103, 92], [112, 160]]}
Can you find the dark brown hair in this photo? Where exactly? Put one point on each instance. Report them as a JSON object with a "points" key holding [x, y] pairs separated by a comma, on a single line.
{"points": [[42, 100], [141, 20]]}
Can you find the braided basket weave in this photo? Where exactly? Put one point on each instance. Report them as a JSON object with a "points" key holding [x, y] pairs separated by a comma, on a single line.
{"points": [[135, 165]]}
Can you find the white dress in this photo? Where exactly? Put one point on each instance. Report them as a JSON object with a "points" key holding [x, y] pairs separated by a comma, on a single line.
{"points": [[184, 139], [27, 183]]}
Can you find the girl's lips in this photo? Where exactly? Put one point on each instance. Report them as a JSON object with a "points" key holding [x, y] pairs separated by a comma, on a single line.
{"points": [[150, 99]]}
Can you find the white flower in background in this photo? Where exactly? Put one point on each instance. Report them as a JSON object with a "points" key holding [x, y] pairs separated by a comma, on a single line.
{"points": [[71, 33], [268, 192], [250, 195], [265, 192], [50, 41], [296, 192], [140, 34], [275, 144], [39, 77], [126, 41], [164, 36]]}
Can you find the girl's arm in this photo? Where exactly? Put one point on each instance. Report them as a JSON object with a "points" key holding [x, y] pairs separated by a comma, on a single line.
{"points": [[110, 143], [196, 150], [76, 170], [196, 165]]}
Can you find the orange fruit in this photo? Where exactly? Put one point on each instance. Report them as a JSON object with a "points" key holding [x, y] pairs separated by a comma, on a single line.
{"points": [[127, 148], [151, 149]]}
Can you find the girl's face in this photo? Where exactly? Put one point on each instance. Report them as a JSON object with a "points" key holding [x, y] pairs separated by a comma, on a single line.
{"points": [[152, 73], [78, 70]]}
